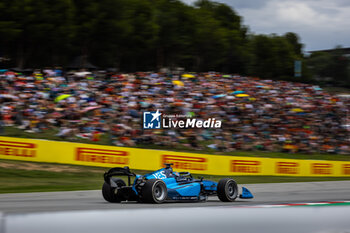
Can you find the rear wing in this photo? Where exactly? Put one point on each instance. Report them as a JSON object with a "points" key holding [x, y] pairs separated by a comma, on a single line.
{"points": [[118, 171]]}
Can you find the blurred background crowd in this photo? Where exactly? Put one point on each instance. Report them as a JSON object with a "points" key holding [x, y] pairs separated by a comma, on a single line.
{"points": [[256, 114], [143, 35]]}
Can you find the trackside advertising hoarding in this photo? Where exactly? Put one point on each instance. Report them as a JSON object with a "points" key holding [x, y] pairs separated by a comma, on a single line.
{"points": [[110, 156]]}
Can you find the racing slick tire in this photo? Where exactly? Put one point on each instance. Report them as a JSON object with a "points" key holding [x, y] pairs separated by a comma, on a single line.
{"points": [[227, 190], [110, 194], [154, 191]]}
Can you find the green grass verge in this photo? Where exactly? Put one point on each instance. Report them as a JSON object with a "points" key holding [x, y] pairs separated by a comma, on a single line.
{"points": [[41, 177]]}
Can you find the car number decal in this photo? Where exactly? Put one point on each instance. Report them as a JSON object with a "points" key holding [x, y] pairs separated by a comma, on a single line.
{"points": [[160, 175]]}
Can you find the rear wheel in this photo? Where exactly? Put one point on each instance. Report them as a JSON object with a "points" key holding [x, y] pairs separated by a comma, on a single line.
{"points": [[227, 190], [154, 191], [111, 194]]}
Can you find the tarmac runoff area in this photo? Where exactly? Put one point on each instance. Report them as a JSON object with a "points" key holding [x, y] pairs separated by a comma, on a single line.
{"points": [[264, 194], [269, 211]]}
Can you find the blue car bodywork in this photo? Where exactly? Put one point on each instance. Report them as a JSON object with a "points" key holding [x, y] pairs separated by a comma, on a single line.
{"points": [[179, 186]]}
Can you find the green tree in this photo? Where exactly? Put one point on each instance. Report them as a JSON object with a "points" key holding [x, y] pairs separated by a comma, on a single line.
{"points": [[220, 38], [143, 35], [109, 34], [294, 41], [37, 30], [273, 56], [330, 67], [141, 39], [340, 67], [175, 34]]}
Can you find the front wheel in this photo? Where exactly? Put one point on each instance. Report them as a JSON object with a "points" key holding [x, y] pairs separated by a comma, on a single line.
{"points": [[154, 191], [227, 190], [111, 194]]}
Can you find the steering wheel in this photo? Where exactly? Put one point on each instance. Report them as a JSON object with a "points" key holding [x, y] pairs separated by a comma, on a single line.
{"points": [[185, 174]]}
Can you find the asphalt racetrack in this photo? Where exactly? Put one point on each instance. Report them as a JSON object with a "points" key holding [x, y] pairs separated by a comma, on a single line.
{"points": [[264, 194]]}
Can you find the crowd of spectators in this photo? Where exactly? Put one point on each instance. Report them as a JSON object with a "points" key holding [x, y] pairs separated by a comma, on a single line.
{"points": [[256, 114]]}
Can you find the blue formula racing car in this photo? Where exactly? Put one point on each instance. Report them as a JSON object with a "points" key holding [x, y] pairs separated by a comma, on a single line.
{"points": [[166, 185]]}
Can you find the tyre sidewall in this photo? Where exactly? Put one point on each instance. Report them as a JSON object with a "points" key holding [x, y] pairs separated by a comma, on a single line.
{"points": [[223, 190], [235, 194], [149, 191], [164, 189], [110, 194]]}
